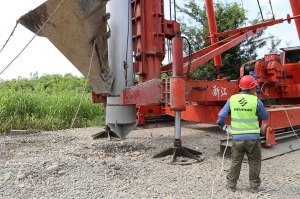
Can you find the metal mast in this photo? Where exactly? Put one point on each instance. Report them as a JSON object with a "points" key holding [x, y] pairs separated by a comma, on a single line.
{"points": [[120, 118]]}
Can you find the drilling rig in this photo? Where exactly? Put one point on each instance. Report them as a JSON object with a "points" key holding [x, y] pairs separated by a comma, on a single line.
{"points": [[122, 30]]}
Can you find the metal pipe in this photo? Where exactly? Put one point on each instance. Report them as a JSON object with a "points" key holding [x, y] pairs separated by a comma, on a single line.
{"points": [[212, 28], [272, 9], [177, 67], [120, 118], [177, 81], [295, 5], [262, 17], [170, 5], [177, 96], [120, 44], [175, 10], [177, 125]]}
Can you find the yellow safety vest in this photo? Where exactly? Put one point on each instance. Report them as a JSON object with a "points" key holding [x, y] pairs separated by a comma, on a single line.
{"points": [[243, 114]]}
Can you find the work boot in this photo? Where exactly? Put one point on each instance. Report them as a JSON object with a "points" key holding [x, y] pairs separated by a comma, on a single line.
{"points": [[230, 189], [255, 190]]}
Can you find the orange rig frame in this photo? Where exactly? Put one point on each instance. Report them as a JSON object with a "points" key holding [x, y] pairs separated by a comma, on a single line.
{"points": [[276, 77]]}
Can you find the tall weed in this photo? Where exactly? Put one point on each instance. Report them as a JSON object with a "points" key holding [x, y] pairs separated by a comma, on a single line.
{"points": [[47, 103]]}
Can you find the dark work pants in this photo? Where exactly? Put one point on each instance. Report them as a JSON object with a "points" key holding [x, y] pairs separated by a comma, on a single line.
{"points": [[253, 150]]}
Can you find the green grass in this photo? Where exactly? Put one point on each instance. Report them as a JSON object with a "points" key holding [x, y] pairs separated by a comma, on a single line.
{"points": [[47, 103]]}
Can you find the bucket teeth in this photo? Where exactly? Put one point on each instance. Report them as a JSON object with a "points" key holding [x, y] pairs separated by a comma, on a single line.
{"points": [[72, 29]]}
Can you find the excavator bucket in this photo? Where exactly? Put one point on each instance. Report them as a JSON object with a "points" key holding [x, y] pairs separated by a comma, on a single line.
{"points": [[73, 26]]}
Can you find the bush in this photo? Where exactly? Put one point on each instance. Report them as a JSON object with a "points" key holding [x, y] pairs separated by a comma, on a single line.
{"points": [[47, 103]]}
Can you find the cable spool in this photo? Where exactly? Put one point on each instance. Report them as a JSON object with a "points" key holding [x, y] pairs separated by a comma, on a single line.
{"points": [[263, 129]]}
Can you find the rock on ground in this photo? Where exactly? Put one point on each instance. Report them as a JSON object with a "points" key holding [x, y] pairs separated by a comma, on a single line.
{"points": [[70, 164]]}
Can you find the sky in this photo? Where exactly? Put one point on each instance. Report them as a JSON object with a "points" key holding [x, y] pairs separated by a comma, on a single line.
{"points": [[42, 57]]}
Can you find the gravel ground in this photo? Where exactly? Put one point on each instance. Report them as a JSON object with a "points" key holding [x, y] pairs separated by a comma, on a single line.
{"points": [[70, 164]]}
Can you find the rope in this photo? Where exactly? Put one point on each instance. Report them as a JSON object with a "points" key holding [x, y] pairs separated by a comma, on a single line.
{"points": [[290, 123], [11, 34], [221, 171], [289, 177], [64, 142], [32, 37]]}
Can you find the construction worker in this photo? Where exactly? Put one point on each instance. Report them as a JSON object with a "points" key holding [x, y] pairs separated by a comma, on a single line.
{"points": [[245, 109]]}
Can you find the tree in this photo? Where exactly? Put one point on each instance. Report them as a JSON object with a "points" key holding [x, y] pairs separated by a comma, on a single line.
{"points": [[274, 44], [229, 16]]}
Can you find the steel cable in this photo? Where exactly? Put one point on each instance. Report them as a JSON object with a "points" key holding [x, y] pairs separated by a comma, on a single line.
{"points": [[32, 37], [190, 57], [11, 34], [262, 17], [289, 177]]}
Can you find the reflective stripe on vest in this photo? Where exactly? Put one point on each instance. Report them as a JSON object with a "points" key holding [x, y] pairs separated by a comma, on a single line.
{"points": [[243, 114]]}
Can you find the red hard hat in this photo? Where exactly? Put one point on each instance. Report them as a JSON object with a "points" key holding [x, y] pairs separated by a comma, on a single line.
{"points": [[247, 82]]}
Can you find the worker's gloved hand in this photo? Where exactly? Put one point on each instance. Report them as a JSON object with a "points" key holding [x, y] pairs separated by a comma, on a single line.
{"points": [[227, 129]]}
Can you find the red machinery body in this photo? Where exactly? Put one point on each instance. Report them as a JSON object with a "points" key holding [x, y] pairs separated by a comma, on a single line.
{"points": [[278, 76], [149, 30]]}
